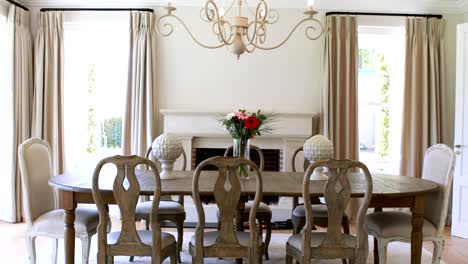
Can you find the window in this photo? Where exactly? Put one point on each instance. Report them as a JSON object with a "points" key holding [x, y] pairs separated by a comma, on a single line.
{"points": [[96, 62], [381, 69]]}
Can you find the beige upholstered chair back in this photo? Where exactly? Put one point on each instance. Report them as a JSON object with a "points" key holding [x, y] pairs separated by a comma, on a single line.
{"points": [[227, 194], [439, 163], [36, 169], [306, 162], [337, 194], [156, 161], [261, 166], [126, 191]]}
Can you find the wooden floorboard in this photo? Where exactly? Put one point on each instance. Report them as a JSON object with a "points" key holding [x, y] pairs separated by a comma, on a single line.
{"points": [[12, 242]]}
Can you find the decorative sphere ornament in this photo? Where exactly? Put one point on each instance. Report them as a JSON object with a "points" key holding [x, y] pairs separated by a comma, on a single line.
{"points": [[318, 148], [167, 148]]}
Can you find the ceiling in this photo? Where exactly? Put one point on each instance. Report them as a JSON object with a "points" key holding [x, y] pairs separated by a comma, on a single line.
{"points": [[399, 6]]}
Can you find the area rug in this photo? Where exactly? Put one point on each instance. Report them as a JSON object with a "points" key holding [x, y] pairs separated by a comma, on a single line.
{"points": [[398, 253]]}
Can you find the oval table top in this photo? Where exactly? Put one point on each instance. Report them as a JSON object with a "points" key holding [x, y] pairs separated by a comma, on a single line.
{"points": [[274, 184]]}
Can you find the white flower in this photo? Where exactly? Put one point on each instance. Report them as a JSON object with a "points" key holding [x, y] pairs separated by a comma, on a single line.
{"points": [[229, 116]]}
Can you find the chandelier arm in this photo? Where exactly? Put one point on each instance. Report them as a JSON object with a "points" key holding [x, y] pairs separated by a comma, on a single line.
{"points": [[171, 30], [214, 26], [259, 19], [307, 33], [274, 15], [218, 21]]}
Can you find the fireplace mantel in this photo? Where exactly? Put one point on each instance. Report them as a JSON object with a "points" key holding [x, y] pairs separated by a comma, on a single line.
{"points": [[201, 129]]}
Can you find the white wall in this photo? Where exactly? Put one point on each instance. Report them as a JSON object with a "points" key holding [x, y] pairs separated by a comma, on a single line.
{"points": [[284, 80]]}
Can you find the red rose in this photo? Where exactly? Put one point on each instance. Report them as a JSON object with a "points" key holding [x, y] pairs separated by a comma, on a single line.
{"points": [[251, 122]]}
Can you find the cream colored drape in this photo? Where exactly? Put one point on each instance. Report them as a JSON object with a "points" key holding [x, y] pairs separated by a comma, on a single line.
{"points": [[139, 121], [18, 25], [425, 86], [340, 95], [47, 120]]}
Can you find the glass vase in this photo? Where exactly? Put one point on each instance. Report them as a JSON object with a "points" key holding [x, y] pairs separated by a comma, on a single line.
{"points": [[241, 149]]}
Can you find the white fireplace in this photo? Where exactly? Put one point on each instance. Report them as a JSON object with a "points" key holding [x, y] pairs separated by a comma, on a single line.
{"points": [[199, 129]]}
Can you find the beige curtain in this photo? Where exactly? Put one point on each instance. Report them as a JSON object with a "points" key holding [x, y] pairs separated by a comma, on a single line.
{"points": [[425, 87], [139, 121], [21, 50], [340, 95], [47, 122], [340, 98]]}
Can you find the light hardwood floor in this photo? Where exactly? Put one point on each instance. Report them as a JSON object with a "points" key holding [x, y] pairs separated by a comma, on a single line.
{"points": [[12, 243]]}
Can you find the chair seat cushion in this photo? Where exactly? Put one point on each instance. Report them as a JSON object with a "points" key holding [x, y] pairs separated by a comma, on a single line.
{"points": [[146, 238], [395, 224], [86, 221], [318, 210], [317, 238], [165, 208], [209, 238], [262, 208]]}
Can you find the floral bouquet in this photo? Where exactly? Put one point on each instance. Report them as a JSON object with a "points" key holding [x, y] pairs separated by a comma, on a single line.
{"points": [[243, 126]]}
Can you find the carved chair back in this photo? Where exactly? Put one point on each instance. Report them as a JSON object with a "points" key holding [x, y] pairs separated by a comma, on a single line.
{"points": [[126, 191], [227, 194], [337, 194], [439, 164], [35, 163], [293, 160], [261, 166]]}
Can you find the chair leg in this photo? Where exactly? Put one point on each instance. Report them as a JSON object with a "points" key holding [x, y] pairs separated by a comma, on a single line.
{"points": [[382, 250], [110, 259], [438, 250], [289, 259], [131, 259], [267, 237], [147, 225], [180, 237], [376, 251], [86, 247], [31, 244], [54, 250]]}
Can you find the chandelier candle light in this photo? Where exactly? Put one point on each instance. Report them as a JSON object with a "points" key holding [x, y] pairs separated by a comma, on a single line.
{"points": [[239, 32]]}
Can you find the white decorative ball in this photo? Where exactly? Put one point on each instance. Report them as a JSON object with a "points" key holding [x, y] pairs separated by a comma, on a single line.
{"points": [[167, 147], [318, 148]]}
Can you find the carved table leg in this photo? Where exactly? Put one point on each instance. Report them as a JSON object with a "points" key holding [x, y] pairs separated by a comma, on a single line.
{"points": [[67, 203], [376, 246], [239, 221], [69, 236], [416, 233]]}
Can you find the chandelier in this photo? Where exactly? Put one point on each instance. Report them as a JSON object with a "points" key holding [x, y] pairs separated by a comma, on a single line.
{"points": [[240, 32]]}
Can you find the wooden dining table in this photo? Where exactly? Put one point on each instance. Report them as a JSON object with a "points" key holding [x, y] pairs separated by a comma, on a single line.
{"points": [[388, 191]]}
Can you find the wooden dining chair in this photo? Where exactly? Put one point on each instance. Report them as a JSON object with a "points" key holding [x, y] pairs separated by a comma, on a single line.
{"points": [[332, 244], [126, 191], [169, 210], [40, 202], [319, 210], [439, 163], [264, 212], [226, 243]]}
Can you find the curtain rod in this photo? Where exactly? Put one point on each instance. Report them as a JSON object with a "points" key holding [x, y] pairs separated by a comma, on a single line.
{"points": [[17, 4], [98, 9], [384, 14]]}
